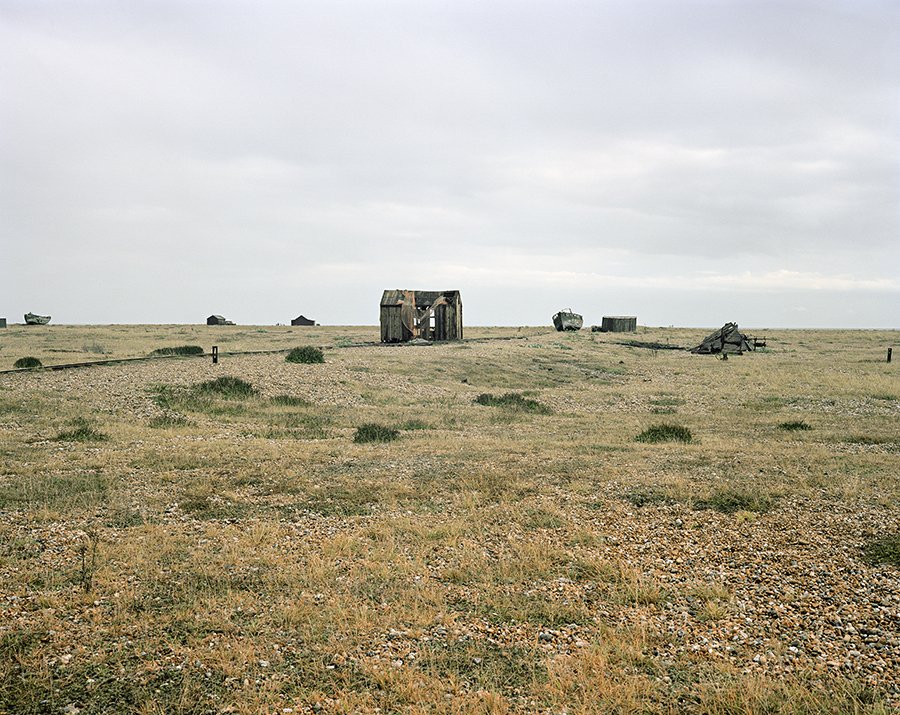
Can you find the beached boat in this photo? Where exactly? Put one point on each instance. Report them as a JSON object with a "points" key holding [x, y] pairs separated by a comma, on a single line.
{"points": [[567, 320], [32, 319]]}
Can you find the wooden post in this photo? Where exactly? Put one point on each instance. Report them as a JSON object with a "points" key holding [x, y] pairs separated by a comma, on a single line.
{"points": [[889, 354], [215, 354]]}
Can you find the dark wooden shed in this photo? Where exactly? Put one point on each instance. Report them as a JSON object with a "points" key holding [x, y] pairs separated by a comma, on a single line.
{"points": [[430, 315], [302, 321], [217, 320], [619, 324]]}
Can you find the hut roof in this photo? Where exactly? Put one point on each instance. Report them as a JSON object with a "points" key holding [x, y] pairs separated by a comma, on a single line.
{"points": [[423, 298]]}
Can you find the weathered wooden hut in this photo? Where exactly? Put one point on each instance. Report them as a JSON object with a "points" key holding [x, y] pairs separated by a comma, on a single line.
{"points": [[618, 324], [216, 320], [300, 320], [430, 315]]}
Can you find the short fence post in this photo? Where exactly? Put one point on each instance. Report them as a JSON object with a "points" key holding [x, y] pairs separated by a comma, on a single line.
{"points": [[889, 354], [215, 354]]}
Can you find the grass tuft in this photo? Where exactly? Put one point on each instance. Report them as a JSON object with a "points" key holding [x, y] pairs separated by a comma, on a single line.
{"points": [[169, 419], [82, 431], [228, 387], [289, 401], [794, 426], [731, 501], [865, 439], [307, 354], [665, 433], [512, 401], [180, 350], [372, 432], [649, 494], [885, 550], [27, 362]]}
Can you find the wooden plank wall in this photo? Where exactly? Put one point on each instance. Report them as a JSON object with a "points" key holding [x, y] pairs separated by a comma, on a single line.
{"points": [[619, 324]]}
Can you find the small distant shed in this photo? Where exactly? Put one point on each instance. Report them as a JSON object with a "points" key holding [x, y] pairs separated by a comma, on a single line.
{"points": [[429, 315], [618, 324], [2, 322], [217, 320], [300, 320]]}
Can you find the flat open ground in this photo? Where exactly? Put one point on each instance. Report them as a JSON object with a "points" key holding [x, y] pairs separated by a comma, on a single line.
{"points": [[165, 549]]}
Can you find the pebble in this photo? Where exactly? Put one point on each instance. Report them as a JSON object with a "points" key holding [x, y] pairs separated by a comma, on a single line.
{"points": [[787, 589]]}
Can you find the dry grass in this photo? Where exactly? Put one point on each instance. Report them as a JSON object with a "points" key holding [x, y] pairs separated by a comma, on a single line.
{"points": [[164, 548]]}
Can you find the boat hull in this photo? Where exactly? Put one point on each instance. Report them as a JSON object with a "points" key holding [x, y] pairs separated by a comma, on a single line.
{"points": [[32, 319], [567, 320]]}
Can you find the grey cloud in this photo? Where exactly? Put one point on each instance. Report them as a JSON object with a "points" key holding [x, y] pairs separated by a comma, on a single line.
{"points": [[284, 141]]}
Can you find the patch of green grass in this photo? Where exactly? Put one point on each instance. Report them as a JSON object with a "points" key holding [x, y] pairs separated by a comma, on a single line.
{"points": [[56, 491], [865, 439], [665, 433], [180, 350], [885, 550], [729, 500], [27, 362], [168, 420], [94, 348], [289, 401], [540, 518], [348, 499], [82, 431], [228, 387], [372, 432], [650, 494], [794, 426], [204, 503], [512, 401], [306, 354], [490, 665], [415, 424], [667, 402]]}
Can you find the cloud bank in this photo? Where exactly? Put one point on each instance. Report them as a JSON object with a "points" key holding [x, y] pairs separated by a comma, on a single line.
{"points": [[685, 162]]}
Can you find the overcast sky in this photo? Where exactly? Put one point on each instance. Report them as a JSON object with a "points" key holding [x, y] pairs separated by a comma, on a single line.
{"points": [[686, 162]]}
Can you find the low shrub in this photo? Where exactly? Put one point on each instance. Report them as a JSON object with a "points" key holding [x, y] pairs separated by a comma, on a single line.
{"points": [[288, 401], [865, 439], [27, 362], [665, 433], [794, 426], [181, 350], [372, 432], [82, 431], [731, 501], [229, 387], [169, 419], [885, 550], [650, 494], [307, 354], [512, 401]]}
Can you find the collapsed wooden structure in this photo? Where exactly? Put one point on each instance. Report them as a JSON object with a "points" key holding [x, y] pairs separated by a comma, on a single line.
{"points": [[301, 320], [428, 315], [728, 340]]}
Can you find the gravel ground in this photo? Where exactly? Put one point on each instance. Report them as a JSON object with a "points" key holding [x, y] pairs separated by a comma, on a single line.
{"points": [[797, 596]]}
